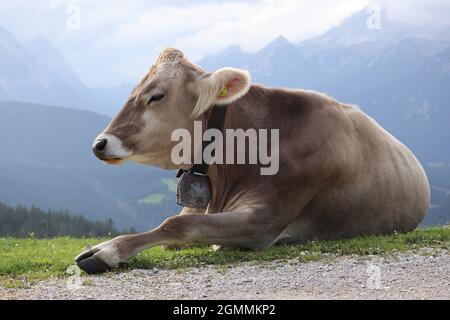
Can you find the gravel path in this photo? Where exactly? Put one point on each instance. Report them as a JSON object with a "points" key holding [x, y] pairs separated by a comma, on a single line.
{"points": [[401, 276]]}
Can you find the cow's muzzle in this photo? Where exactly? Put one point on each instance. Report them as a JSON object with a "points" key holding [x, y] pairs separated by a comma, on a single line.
{"points": [[109, 148]]}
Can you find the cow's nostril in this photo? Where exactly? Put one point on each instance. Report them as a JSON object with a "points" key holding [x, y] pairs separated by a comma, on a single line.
{"points": [[100, 145]]}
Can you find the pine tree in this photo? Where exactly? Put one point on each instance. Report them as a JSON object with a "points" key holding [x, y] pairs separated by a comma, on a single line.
{"points": [[22, 222]]}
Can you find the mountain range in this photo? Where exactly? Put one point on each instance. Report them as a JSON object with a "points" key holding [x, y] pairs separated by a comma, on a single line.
{"points": [[46, 161], [36, 72], [398, 74]]}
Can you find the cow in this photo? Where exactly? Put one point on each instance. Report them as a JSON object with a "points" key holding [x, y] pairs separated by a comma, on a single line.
{"points": [[341, 175]]}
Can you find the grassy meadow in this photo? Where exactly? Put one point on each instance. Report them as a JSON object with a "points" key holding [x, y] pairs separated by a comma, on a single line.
{"points": [[23, 261]]}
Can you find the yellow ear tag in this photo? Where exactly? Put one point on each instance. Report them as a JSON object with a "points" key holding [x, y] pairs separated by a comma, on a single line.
{"points": [[223, 92]]}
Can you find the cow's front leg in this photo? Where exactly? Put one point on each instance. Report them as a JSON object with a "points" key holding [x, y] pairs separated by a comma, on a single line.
{"points": [[186, 210], [247, 228], [105, 255]]}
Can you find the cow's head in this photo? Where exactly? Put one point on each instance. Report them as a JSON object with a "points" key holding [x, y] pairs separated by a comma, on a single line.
{"points": [[171, 96]]}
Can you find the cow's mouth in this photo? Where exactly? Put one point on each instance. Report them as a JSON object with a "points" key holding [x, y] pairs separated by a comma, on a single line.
{"points": [[114, 161]]}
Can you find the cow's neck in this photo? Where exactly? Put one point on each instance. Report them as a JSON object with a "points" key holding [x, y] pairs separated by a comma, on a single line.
{"points": [[233, 184]]}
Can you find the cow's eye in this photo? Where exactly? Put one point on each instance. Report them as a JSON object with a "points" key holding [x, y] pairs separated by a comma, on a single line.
{"points": [[156, 97]]}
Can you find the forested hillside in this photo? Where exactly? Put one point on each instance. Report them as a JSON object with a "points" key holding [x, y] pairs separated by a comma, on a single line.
{"points": [[25, 222]]}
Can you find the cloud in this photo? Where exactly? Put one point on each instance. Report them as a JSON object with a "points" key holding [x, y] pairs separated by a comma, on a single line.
{"points": [[428, 13], [118, 40], [201, 28], [206, 27]]}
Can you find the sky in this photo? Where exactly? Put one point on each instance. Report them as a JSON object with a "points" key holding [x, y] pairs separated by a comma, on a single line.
{"points": [[109, 42]]}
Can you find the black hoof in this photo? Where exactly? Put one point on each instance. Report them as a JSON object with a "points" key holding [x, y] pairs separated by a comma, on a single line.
{"points": [[90, 264], [86, 254]]}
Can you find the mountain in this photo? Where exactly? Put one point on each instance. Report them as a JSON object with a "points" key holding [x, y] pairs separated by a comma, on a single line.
{"points": [[278, 63], [54, 63], [232, 56], [398, 74], [113, 97], [46, 161], [37, 72], [355, 31]]}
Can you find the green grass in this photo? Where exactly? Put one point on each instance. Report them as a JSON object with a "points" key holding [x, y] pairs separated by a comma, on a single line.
{"points": [[154, 198], [26, 260], [171, 184]]}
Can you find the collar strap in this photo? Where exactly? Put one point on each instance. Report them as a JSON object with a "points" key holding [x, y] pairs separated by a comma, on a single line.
{"points": [[216, 121]]}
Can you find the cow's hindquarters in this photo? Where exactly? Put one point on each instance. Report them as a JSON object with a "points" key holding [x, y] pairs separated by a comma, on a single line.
{"points": [[385, 190]]}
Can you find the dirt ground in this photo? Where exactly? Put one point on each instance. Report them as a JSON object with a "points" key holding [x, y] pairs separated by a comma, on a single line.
{"points": [[401, 276]]}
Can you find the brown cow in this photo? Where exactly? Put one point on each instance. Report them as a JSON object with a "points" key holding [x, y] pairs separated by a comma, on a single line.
{"points": [[340, 175]]}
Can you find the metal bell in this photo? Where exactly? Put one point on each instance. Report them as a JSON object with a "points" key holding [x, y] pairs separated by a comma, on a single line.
{"points": [[194, 190]]}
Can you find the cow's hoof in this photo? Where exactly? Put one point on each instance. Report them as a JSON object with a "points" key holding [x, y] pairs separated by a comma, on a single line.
{"points": [[90, 263]]}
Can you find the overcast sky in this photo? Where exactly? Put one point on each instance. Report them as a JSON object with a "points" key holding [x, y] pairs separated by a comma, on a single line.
{"points": [[115, 41]]}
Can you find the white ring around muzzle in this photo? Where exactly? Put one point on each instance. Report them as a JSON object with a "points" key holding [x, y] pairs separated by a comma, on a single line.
{"points": [[114, 147]]}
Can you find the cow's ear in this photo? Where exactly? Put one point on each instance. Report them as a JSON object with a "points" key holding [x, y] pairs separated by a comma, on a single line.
{"points": [[221, 87]]}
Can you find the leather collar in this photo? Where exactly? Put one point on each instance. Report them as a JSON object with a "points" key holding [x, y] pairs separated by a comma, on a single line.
{"points": [[216, 120]]}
